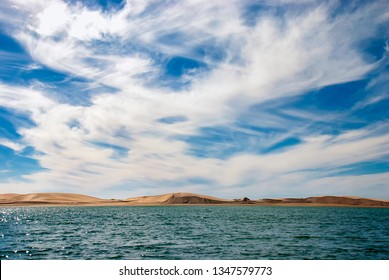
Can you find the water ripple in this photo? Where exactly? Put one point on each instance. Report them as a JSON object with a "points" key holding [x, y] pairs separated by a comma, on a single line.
{"points": [[194, 233]]}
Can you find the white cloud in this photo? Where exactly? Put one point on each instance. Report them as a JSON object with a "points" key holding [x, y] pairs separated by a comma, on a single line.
{"points": [[12, 145], [53, 19], [24, 99]]}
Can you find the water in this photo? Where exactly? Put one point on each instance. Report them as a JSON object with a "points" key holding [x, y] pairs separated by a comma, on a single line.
{"points": [[194, 232]]}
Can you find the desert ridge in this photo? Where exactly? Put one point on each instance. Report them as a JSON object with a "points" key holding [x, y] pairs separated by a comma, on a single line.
{"points": [[329, 200], [180, 198], [53, 199], [48, 199]]}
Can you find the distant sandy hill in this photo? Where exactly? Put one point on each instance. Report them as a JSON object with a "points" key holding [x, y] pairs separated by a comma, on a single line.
{"points": [[181, 198], [178, 198], [48, 198], [329, 200]]}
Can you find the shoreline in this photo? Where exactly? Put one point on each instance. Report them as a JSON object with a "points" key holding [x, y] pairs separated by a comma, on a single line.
{"points": [[190, 205], [182, 199], [125, 204]]}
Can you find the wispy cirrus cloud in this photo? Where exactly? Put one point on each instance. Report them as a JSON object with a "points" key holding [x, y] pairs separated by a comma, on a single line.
{"points": [[214, 97]]}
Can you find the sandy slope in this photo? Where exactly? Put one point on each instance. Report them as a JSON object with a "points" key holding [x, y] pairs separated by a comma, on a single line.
{"points": [[182, 198], [178, 198], [329, 200], [48, 198]]}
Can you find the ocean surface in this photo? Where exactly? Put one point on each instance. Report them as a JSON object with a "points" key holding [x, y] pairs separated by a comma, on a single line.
{"points": [[194, 232]]}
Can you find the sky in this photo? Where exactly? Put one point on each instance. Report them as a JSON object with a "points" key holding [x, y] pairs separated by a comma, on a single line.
{"points": [[228, 98]]}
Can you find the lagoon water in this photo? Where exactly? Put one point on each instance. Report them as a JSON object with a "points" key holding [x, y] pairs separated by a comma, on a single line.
{"points": [[194, 232]]}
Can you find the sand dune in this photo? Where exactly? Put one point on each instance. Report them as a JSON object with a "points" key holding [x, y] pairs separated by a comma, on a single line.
{"points": [[329, 200], [349, 200], [48, 198], [178, 198], [181, 198]]}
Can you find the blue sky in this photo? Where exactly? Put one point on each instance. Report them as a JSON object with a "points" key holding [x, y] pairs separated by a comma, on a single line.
{"points": [[233, 98]]}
